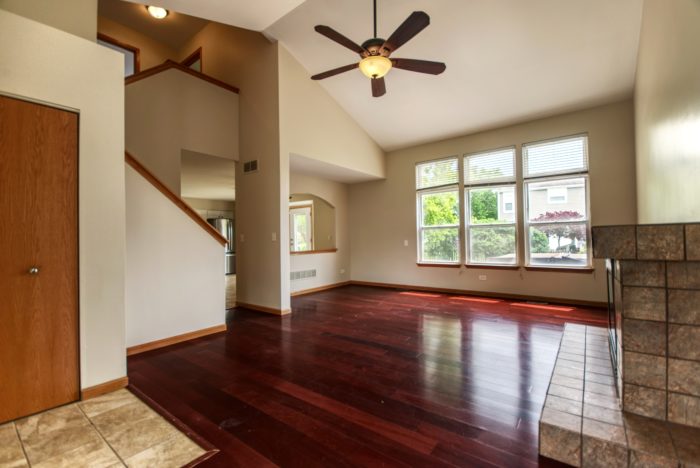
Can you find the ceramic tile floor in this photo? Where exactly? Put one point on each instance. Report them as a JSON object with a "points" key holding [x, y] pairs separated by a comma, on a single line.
{"points": [[113, 430]]}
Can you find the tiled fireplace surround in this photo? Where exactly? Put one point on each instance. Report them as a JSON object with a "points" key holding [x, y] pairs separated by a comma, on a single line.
{"points": [[657, 306], [654, 289]]}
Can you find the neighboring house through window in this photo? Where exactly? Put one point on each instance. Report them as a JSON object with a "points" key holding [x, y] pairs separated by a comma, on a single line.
{"points": [[557, 214]]}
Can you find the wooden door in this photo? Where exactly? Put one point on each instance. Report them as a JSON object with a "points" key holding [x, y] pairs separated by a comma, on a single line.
{"points": [[38, 258]]}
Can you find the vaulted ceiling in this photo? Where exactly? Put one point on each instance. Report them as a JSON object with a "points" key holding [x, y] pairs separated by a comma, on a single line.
{"points": [[508, 61]]}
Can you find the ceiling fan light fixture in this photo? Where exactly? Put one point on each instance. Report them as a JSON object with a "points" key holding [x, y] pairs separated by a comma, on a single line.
{"points": [[375, 66], [157, 12]]}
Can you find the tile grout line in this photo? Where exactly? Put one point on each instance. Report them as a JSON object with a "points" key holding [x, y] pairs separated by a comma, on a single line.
{"points": [[100, 434], [21, 444]]}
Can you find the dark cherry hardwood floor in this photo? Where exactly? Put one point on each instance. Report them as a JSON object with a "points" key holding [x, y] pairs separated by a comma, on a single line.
{"points": [[367, 376]]}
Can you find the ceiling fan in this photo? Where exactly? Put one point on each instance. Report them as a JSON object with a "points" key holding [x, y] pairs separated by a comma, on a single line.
{"points": [[375, 52]]}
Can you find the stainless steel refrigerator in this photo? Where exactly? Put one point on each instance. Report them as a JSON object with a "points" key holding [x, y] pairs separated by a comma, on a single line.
{"points": [[226, 227]]}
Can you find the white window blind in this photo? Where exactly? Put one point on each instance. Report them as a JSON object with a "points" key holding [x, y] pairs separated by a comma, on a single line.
{"points": [[437, 173], [563, 156], [490, 167]]}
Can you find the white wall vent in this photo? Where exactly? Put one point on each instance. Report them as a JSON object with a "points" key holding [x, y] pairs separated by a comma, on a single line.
{"points": [[250, 166], [302, 274]]}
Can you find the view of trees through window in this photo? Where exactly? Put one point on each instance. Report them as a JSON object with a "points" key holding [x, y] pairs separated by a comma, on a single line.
{"points": [[440, 212]]}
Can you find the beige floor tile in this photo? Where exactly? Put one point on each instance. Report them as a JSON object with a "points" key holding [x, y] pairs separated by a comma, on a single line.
{"points": [[174, 452], [51, 420], [95, 454], [104, 403], [11, 454], [143, 434], [116, 420]]}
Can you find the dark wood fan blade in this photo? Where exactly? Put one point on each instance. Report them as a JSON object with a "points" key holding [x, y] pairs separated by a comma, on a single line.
{"points": [[415, 23], [335, 71], [378, 87], [420, 66], [334, 35]]}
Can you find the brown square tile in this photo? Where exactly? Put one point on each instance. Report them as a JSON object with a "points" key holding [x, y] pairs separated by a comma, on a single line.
{"points": [[140, 435], [683, 275], [644, 336], [95, 453], [644, 303], [692, 241], [684, 409], [11, 454], [568, 372], [614, 242], [644, 401], [565, 392], [684, 341], [571, 357], [644, 369], [604, 401], [601, 389], [561, 419], [599, 378], [684, 306], [596, 453], [687, 442], [596, 361], [567, 382], [599, 413], [604, 370], [643, 273], [604, 431], [560, 444], [660, 242], [109, 401], [564, 405], [115, 420], [176, 451], [640, 459], [684, 376], [649, 435]]}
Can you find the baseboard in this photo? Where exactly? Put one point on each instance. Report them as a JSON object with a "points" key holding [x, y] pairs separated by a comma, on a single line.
{"points": [[106, 387], [259, 308], [142, 348], [496, 295], [319, 289]]}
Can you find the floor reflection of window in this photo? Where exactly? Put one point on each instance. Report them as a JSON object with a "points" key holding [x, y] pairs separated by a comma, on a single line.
{"points": [[442, 350]]}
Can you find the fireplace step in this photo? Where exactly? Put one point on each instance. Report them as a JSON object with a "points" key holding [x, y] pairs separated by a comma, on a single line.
{"points": [[582, 424]]}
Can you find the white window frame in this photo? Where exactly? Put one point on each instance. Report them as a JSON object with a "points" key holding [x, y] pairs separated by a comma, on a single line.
{"points": [[559, 176], [454, 187], [500, 182]]}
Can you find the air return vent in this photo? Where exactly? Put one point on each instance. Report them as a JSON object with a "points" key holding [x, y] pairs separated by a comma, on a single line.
{"points": [[303, 274], [250, 166]]}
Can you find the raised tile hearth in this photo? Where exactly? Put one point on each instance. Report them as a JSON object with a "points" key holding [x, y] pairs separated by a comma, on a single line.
{"points": [[582, 423]]}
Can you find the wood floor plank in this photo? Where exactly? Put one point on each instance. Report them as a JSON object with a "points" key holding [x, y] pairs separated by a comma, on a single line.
{"points": [[363, 376]]}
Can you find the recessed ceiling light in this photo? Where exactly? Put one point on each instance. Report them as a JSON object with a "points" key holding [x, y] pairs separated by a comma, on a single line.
{"points": [[157, 12]]}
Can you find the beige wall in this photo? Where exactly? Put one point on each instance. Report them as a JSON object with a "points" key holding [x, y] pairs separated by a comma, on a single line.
{"points": [[667, 101], [42, 63], [383, 213], [313, 125], [77, 17], [333, 267], [151, 52], [174, 268], [323, 217], [213, 205], [174, 111]]}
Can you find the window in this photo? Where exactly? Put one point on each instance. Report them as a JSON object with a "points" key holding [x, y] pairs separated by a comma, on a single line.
{"points": [[490, 219], [300, 228], [438, 211], [194, 60], [556, 189], [131, 53]]}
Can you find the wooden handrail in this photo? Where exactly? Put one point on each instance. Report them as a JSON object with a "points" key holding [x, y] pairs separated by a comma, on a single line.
{"points": [[179, 202], [169, 64]]}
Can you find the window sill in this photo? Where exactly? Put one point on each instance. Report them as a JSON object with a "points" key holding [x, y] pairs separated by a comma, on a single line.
{"points": [[587, 270], [492, 267], [439, 265], [308, 252]]}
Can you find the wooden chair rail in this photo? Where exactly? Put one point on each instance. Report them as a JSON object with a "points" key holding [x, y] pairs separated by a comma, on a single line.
{"points": [[179, 202], [169, 64]]}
